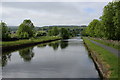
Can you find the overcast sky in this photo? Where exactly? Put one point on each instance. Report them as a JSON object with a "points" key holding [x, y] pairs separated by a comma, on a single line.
{"points": [[51, 13]]}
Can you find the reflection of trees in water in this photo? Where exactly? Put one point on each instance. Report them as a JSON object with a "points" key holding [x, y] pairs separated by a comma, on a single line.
{"points": [[55, 45], [5, 58], [27, 54], [41, 45], [63, 44]]}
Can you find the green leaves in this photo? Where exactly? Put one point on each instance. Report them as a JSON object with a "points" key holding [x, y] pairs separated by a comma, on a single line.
{"points": [[117, 20], [25, 29], [107, 20], [93, 28], [111, 20], [64, 33], [109, 24], [40, 33], [4, 30], [53, 31]]}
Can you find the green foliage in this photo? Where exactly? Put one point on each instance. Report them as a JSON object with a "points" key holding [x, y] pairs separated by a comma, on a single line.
{"points": [[40, 33], [25, 29], [24, 35], [84, 32], [109, 24], [64, 33], [53, 31], [107, 21], [92, 28], [4, 30], [50, 32], [117, 20], [56, 31]]}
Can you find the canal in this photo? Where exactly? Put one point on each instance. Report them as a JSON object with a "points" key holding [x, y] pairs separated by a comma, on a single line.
{"points": [[58, 59]]}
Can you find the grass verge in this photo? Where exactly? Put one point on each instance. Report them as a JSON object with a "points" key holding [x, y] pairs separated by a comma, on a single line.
{"points": [[28, 41], [109, 60]]}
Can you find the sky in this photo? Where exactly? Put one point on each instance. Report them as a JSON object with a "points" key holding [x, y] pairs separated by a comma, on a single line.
{"points": [[51, 13]]}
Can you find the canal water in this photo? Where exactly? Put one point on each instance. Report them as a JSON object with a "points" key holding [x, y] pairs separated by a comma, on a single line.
{"points": [[58, 59]]}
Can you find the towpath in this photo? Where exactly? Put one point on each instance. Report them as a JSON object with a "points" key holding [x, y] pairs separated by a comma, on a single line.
{"points": [[112, 50]]}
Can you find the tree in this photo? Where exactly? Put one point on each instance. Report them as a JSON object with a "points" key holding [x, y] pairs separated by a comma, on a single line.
{"points": [[53, 31], [92, 27], [25, 29], [50, 32], [98, 29], [83, 32], [64, 33], [24, 35], [4, 30], [117, 20], [107, 21], [109, 24]]}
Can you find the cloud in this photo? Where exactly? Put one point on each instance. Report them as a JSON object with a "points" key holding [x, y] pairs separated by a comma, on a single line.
{"points": [[0, 10], [51, 13], [57, 0]]}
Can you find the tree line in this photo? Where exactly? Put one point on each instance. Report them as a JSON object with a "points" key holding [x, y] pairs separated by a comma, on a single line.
{"points": [[108, 25], [27, 30]]}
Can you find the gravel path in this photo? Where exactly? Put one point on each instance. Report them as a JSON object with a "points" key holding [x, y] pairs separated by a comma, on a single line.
{"points": [[112, 50]]}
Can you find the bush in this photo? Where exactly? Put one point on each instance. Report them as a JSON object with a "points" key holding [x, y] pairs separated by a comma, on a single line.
{"points": [[40, 33]]}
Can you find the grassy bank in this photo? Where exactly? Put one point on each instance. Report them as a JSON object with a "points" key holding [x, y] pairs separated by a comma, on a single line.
{"points": [[28, 41], [111, 43], [107, 59]]}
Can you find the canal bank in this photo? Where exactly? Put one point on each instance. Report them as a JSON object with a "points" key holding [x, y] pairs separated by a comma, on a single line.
{"points": [[14, 45], [106, 63]]}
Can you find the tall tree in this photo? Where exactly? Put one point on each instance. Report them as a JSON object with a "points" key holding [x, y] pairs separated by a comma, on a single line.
{"points": [[92, 27], [4, 30], [107, 21], [25, 29], [64, 33], [117, 20], [98, 29]]}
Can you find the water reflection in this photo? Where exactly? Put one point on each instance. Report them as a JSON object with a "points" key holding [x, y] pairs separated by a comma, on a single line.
{"points": [[5, 58], [27, 54], [41, 45], [50, 61], [64, 44], [55, 45]]}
